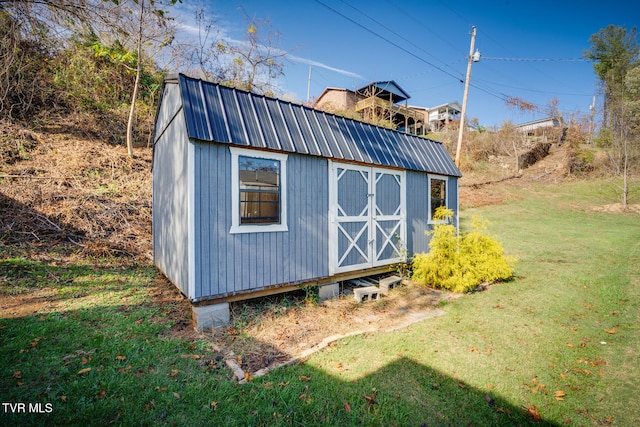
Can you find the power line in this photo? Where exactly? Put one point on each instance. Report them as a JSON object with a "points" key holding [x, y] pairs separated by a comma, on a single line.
{"points": [[535, 90], [388, 41], [489, 58], [500, 96], [393, 32]]}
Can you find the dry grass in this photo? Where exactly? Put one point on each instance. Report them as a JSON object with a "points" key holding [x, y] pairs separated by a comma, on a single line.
{"points": [[273, 330], [58, 187]]}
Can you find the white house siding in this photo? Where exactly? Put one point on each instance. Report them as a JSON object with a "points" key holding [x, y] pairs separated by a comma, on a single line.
{"points": [[229, 264]]}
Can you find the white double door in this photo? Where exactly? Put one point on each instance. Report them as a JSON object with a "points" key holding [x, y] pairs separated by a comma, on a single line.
{"points": [[367, 217]]}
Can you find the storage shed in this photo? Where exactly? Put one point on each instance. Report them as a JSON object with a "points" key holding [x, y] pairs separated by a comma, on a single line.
{"points": [[253, 195]]}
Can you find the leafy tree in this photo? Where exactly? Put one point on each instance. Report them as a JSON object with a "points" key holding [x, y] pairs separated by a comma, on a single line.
{"points": [[615, 52]]}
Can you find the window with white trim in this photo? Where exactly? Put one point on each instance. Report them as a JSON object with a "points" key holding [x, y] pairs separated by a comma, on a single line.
{"points": [[259, 196], [437, 194]]}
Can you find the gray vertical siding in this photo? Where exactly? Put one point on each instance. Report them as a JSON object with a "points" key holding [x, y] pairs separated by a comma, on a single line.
{"points": [[418, 210], [417, 213], [231, 263], [170, 213]]}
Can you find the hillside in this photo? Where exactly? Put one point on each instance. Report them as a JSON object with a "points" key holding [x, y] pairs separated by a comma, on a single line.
{"points": [[64, 191]]}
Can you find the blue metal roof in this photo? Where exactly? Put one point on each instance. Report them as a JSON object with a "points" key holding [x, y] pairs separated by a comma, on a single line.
{"points": [[226, 115], [384, 90]]}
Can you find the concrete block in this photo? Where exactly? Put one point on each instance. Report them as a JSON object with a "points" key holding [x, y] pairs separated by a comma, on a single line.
{"points": [[370, 293], [325, 292], [389, 283], [211, 316]]}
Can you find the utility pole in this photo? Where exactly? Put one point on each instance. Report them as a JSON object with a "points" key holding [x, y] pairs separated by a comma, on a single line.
{"points": [[309, 86], [592, 107], [473, 57]]}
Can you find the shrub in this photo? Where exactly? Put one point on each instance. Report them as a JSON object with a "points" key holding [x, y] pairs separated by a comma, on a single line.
{"points": [[461, 262]]}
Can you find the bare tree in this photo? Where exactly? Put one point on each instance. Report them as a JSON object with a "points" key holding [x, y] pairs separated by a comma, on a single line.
{"points": [[146, 30], [254, 63]]}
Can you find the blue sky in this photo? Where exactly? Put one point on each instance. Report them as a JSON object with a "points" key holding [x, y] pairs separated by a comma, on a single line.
{"points": [[530, 50]]}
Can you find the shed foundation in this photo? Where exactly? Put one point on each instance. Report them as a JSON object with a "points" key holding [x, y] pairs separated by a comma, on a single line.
{"points": [[211, 316], [325, 292]]}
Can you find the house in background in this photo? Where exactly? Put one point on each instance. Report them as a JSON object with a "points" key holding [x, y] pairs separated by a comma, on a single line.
{"points": [[382, 103], [253, 195], [537, 127], [440, 116], [376, 103]]}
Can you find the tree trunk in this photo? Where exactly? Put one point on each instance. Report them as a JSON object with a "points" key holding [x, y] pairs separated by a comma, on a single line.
{"points": [[134, 96], [625, 173]]}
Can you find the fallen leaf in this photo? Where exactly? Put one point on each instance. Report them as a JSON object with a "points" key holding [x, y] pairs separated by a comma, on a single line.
{"points": [[214, 405], [176, 395], [559, 395], [17, 375], [247, 376], [371, 400], [347, 407], [121, 357], [173, 373], [63, 398], [102, 394], [83, 371], [304, 378], [533, 411], [610, 331], [283, 384], [125, 370]]}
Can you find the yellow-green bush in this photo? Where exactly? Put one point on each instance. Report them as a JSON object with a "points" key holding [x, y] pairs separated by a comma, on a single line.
{"points": [[461, 262]]}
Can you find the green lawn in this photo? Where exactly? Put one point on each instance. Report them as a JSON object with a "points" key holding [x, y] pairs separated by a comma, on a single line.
{"points": [[559, 344]]}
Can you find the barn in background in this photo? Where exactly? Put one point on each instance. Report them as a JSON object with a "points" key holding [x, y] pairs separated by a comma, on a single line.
{"points": [[253, 195]]}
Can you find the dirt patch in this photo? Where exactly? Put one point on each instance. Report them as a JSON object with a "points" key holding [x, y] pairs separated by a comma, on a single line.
{"points": [[617, 208], [274, 330]]}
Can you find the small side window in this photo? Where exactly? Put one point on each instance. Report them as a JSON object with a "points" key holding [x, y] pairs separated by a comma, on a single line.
{"points": [[258, 191], [437, 195]]}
